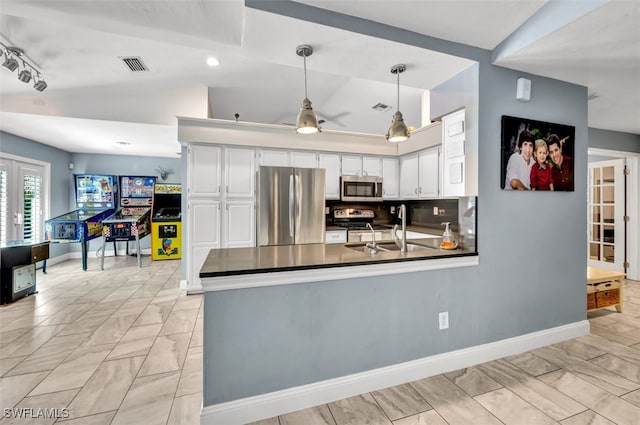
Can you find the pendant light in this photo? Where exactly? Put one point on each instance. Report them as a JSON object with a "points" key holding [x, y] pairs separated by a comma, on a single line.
{"points": [[307, 122], [398, 131]]}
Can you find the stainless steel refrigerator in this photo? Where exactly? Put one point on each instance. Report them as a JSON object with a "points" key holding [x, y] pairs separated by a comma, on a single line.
{"points": [[290, 205]]}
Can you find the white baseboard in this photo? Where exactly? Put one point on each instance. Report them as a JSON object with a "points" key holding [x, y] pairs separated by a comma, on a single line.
{"points": [[76, 255], [276, 403], [59, 259]]}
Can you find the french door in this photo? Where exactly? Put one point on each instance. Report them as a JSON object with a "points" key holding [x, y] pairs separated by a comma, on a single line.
{"points": [[22, 199], [607, 203]]}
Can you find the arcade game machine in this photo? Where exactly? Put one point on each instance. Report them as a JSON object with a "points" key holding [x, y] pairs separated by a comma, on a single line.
{"points": [[132, 221], [96, 199], [166, 227]]}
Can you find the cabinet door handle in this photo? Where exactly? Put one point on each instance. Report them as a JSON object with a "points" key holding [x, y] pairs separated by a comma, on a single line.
{"points": [[218, 188], [415, 190], [420, 189]]}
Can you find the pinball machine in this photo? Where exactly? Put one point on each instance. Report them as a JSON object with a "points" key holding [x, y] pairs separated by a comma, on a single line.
{"points": [[132, 221], [96, 198], [166, 222]]}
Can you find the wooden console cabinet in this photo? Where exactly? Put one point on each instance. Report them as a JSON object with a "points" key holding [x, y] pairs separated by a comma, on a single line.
{"points": [[17, 268], [604, 289]]}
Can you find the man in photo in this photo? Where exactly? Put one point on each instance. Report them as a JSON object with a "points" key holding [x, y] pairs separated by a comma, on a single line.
{"points": [[562, 168], [519, 165]]}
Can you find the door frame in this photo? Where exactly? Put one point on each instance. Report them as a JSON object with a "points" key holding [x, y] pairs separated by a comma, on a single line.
{"points": [[633, 205]]}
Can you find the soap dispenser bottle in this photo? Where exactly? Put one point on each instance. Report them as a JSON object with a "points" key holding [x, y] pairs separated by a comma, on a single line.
{"points": [[448, 241]]}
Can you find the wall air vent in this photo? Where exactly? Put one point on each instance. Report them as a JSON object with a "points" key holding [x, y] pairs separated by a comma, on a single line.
{"points": [[134, 63], [381, 107]]}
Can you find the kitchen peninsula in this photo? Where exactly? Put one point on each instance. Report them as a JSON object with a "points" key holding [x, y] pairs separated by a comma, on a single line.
{"points": [[306, 322]]}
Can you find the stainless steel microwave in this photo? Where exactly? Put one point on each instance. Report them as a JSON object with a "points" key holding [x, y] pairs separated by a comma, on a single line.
{"points": [[360, 189]]}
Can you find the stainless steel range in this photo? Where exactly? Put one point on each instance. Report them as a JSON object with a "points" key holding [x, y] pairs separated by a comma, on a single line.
{"points": [[357, 222]]}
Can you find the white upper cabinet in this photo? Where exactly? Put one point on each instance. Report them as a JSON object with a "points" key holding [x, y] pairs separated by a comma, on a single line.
{"points": [[331, 163], [304, 159], [281, 158], [390, 178], [274, 158], [419, 174], [205, 171], [409, 177], [351, 165], [429, 173], [240, 166], [371, 166]]}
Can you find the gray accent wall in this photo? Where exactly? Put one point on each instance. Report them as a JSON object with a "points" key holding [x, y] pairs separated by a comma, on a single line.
{"points": [[614, 140], [59, 177], [531, 275]]}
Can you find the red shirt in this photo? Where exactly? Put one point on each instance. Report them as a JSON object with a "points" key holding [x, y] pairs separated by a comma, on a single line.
{"points": [[541, 176]]}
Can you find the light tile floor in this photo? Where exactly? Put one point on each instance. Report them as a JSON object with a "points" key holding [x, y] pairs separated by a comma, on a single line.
{"points": [[119, 346], [124, 346]]}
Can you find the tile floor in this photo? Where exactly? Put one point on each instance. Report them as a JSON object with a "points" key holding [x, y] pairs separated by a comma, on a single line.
{"points": [[124, 346]]}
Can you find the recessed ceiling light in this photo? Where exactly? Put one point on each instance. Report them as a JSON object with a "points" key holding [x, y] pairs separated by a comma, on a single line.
{"points": [[213, 61]]}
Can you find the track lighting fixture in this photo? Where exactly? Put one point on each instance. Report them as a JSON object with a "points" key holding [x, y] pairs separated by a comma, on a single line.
{"points": [[398, 131], [12, 57], [307, 122]]}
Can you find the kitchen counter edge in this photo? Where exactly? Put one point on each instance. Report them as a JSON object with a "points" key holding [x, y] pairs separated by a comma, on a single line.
{"points": [[318, 262]]}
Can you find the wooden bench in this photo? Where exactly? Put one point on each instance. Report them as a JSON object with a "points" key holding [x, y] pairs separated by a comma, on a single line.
{"points": [[604, 289]]}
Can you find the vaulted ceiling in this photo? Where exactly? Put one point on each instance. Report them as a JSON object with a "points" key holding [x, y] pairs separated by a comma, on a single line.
{"points": [[94, 102]]}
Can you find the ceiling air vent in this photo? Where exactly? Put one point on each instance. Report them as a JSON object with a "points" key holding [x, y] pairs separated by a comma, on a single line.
{"points": [[134, 63], [381, 107]]}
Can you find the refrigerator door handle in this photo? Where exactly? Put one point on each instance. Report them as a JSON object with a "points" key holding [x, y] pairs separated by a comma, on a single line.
{"points": [[298, 207], [291, 204]]}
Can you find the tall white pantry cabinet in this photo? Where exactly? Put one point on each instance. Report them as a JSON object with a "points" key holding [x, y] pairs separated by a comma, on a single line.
{"points": [[220, 203]]}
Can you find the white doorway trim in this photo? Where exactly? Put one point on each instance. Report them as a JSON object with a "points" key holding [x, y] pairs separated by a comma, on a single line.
{"points": [[633, 205]]}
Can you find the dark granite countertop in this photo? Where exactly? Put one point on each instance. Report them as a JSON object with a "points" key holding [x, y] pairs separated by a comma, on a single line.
{"points": [[267, 259]]}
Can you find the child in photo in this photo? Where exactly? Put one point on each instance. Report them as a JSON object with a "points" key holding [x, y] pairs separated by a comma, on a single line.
{"points": [[541, 171]]}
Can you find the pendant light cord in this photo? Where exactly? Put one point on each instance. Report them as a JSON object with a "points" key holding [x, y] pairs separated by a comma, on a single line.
{"points": [[398, 74], [305, 76]]}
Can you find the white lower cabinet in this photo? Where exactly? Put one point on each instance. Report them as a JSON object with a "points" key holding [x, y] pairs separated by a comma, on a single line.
{"points": [[217, 224], [204, 220], [240, 220], [336, 236]]}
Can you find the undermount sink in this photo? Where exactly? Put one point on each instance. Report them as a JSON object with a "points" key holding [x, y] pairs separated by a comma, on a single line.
{"points": [[388, 247], [410, 247]]}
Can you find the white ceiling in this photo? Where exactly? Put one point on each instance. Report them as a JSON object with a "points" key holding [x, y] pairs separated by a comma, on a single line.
{"points": [[93, 101]]}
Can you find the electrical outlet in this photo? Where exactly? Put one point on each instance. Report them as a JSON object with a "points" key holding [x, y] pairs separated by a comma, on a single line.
{"points": [[443, 320], [392, 210], [435, 210], [441, 211]]}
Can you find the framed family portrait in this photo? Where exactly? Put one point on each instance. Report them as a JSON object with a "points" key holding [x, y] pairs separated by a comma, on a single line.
{"points": [[536, 155]]}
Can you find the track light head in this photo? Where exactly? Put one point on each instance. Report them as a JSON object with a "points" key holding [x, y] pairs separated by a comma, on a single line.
{"points": [[10, 63], [40, 85], [24, 76]]}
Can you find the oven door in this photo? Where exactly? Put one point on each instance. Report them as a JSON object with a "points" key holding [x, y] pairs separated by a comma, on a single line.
{"points": [[360, 189]]}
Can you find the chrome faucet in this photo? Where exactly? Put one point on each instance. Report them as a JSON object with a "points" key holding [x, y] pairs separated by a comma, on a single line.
{"points": [[402, 243], [373, 245]]}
